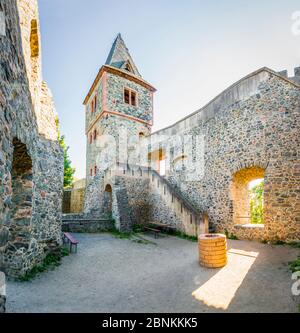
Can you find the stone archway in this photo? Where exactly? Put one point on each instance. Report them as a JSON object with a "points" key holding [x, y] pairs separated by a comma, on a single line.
{"points": [[22, 191], [107, 201], [240, 193]]}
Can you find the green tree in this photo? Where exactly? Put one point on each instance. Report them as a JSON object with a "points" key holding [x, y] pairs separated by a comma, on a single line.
{"points": [[68, 170], [257, 203]]}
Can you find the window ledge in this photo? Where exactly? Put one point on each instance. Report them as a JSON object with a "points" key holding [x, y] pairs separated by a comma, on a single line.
{"points": [[249, 226]]}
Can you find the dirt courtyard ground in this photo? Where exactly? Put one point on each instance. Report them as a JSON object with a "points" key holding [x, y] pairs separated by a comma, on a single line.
{"points": [[120, 275]]}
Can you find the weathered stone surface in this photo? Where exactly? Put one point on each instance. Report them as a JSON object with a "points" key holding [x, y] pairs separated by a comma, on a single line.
{"points": [[251, 130], [31, 160]]}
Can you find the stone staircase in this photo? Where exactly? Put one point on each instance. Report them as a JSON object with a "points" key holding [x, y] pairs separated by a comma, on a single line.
{"points": [[168, 204]]}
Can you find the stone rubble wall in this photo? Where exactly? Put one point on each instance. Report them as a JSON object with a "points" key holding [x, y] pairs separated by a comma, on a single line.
{"points": [[66, 201], [84, 225], [255, 123], [41, 95], [18, 119]]}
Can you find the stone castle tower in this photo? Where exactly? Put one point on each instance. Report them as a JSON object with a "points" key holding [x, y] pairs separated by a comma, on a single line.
{"points": [[119, 113], [119, 105]]}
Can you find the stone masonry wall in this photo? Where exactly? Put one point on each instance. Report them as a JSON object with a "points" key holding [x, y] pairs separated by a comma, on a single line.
{"points": [[25, 238], [255, 123]]}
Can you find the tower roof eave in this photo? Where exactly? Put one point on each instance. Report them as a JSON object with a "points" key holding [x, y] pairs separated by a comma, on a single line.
{"points": [[127, 75]]}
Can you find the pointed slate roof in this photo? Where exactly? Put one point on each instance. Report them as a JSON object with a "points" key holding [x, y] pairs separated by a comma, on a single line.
{"points": [[119, 57]]}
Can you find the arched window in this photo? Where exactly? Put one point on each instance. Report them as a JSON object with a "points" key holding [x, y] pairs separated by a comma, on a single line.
{"points": [[247, 194], [95, 170], [95, 134], [107, 201], [22, 188], [91, 172], [91, 138], [128, 67]]}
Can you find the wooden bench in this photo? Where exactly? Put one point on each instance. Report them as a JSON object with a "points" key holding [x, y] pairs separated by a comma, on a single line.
{"points": [[67, 237], [155, 231], [163, 227]]}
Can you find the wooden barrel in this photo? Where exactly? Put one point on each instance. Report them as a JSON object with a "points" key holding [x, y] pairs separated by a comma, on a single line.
{"points": [[212, 250]]}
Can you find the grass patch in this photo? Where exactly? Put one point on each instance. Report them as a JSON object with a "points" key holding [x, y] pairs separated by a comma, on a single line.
{"points": [[230, 236], [133, 236], [50, 262], [121, 235], [295, 244], [280, 242], [295, 265]]}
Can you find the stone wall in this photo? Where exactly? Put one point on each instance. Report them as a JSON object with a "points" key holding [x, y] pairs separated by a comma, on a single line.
{"points": [[140, 195], [66, 202], [79, 223], [73, 198], [30, 199], [250, 130], [254, 123]]}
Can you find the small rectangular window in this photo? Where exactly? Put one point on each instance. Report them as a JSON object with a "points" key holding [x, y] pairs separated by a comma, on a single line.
{"points": [[126, 96], [133, 98]]}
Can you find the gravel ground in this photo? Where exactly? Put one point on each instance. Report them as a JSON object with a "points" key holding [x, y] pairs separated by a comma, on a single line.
{"points": [[119, 275]]}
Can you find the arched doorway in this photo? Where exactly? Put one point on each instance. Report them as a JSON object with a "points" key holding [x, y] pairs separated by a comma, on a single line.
{"points": [[107, 201], [247, 193], [22, 189]]}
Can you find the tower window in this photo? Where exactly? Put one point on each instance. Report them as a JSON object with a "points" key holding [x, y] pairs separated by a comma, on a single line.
{"points": [[126, 96], [130, 97], [95, 170], [128, 67], [91, 138], [94, 104], [133, 98], [95, 134]]}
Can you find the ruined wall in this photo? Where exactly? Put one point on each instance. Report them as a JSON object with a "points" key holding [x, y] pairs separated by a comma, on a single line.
{"points": [[31, 45], [66, 201], [77, 197], [254, 123], [30, 198]]}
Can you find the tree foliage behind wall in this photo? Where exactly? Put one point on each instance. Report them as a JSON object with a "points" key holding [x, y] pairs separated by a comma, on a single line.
{"points": [[257, 203], [68, 170]]}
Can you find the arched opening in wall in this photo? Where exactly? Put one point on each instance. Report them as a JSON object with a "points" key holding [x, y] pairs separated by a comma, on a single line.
{"points": [[179, 163], [247, 193], [157, 159], [141, 136], [107, 201], [22, 185], [34, 39]]}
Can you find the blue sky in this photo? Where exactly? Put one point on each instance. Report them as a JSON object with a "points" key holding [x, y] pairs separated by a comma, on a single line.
{"points": [[190, 50]]}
